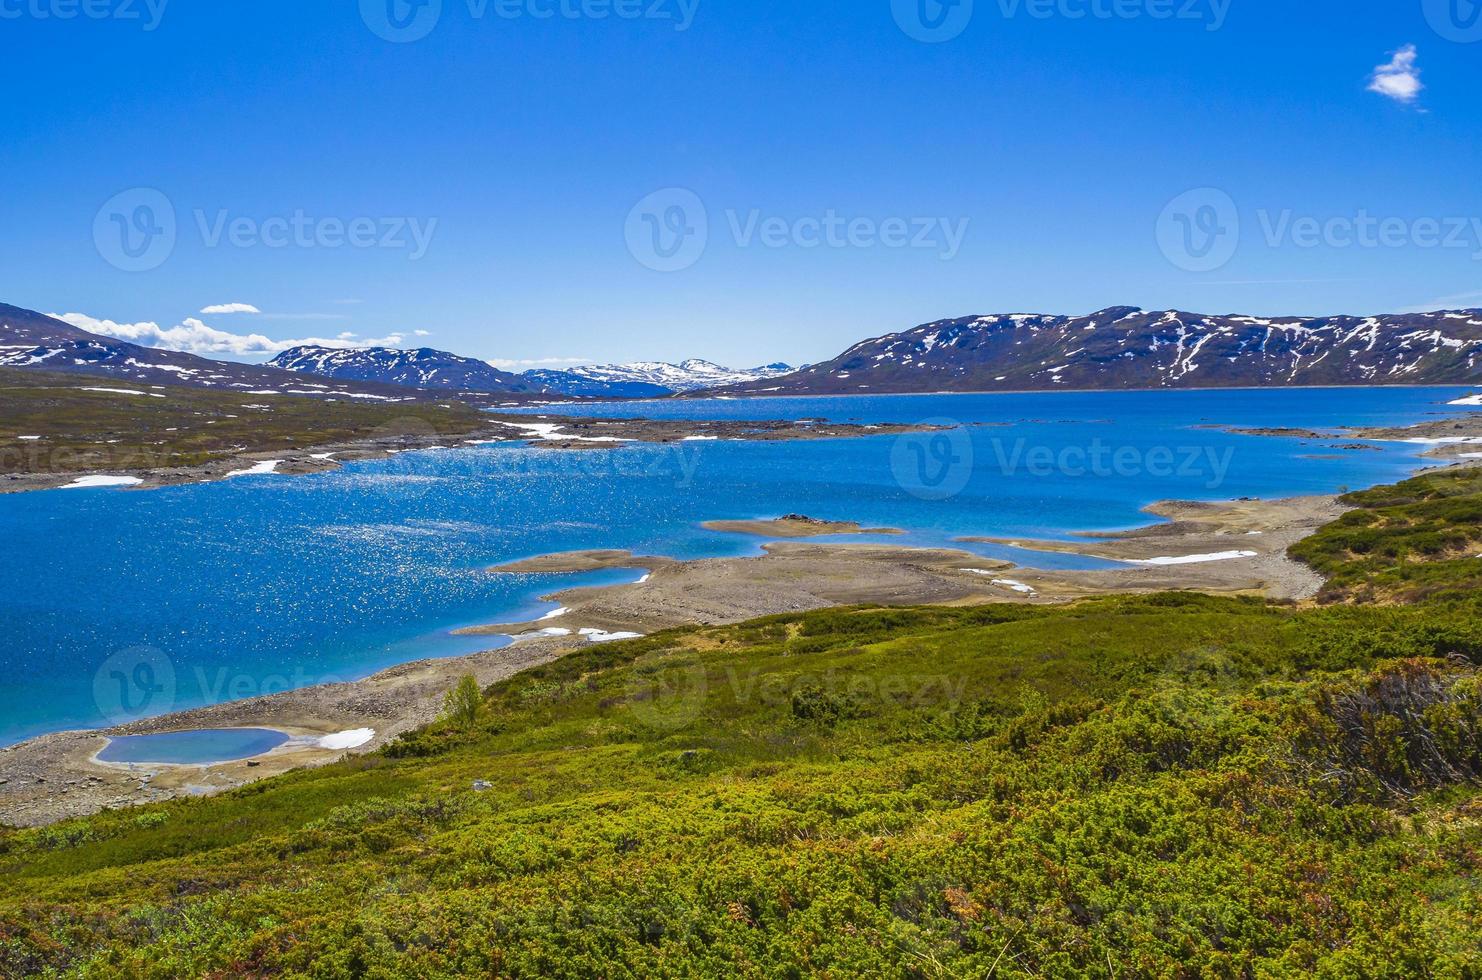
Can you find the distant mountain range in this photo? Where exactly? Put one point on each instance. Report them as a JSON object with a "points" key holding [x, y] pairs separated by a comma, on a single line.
{"points": [[440, 370], [651, 379], [33, 340], [425, 368], [1118, 348], [1125, 348]]}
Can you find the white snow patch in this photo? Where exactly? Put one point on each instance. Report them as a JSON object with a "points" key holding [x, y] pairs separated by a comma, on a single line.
{"points": [[124, 391], [264, 468], [1471, 401], [102, 480], [352, 739], [550, 430], [602, 636], [1198, 559]]}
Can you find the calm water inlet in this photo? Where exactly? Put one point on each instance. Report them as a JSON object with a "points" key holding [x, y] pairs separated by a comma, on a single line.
{"points": [[192, 748]]}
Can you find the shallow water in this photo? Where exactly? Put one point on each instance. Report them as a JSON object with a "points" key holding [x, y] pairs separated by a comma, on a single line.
{"points": [[120, 605], [192, 748]]}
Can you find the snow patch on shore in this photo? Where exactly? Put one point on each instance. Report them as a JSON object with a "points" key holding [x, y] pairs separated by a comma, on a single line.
{"points": [[1472, 401], [264, 468], [102, 480], [552, 431], [1006, 583], [1196, 559], [602, 636], [352, 739]]}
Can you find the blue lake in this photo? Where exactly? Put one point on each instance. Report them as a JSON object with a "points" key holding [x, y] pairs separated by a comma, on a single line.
{"points": [[192, 748], [120, 604]]}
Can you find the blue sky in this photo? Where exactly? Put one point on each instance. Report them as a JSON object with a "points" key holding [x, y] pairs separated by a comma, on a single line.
{"points": [[1026, 160]]}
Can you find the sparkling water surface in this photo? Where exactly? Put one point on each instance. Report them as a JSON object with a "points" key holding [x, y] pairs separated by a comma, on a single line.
{"points": [[123, 604]]}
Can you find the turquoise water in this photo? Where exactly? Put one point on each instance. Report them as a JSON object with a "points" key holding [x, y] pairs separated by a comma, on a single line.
{"points": [[119, 605], [192, 748]]}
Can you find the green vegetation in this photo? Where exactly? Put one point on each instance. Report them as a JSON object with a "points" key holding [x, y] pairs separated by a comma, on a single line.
{"points": [[464, 703], [1164, 786], [165, 427], [1414, 541]]}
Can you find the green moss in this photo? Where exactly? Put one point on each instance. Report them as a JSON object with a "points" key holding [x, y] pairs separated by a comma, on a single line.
{"points": [[91, 431]]}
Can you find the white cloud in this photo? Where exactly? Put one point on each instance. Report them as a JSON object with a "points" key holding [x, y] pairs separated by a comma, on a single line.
{"points": [[231, 308], [1400, 79], [422, 333], [195, 337]]}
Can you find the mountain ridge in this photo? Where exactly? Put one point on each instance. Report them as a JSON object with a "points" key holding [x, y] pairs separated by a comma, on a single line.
{"points": [[657, 378], [423, 368], [1128, 348], [35, 341]]}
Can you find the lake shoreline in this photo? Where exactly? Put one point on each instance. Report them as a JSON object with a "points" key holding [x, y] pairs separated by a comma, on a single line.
{"points": [[547, 431], [55, 776]]}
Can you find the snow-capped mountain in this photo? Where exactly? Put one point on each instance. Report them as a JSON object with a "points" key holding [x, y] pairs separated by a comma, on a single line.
{"points": [[1125, 347], [36, 341], [642, 379], [423, 368]]}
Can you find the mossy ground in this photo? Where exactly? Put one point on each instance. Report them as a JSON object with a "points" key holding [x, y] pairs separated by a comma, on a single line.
{"points": [[98, 431]]}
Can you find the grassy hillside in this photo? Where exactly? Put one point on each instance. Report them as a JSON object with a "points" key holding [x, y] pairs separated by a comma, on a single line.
{"points": [[1167, 786], [84, 430]]}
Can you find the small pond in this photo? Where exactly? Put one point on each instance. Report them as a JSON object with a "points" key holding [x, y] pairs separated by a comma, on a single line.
{"points": [[192, 748]]}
